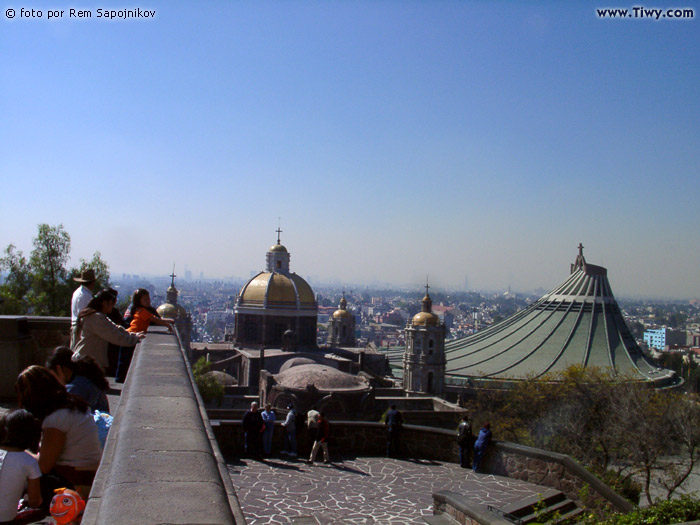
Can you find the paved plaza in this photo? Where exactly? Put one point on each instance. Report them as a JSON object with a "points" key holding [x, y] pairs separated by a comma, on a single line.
{"points": [[360, 490]]}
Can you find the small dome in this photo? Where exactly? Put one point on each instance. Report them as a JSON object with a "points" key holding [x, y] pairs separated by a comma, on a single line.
{"points": [[322, 377], [296, 361], [277, 248], [338, 314], [426, 319], [171, 311]]}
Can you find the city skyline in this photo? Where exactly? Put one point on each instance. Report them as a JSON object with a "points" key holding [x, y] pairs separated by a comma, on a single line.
{"points": [[394, 140]]}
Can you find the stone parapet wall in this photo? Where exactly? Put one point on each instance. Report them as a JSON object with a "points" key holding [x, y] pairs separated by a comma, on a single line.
{"points": [[25, 341], [557, 471]]}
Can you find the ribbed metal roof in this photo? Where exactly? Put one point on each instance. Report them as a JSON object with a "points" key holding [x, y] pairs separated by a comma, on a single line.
{"points": [[579, 322]]}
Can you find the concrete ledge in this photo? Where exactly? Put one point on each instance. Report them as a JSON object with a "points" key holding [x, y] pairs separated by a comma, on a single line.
{"points": [[161, 463]]}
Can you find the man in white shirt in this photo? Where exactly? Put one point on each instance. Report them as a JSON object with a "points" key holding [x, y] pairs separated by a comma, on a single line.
{"points": [[81, 297]]}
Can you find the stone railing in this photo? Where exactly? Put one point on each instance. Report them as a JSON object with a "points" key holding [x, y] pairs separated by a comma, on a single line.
{"points": [[161, 463], [506, 459], [27, 340]]}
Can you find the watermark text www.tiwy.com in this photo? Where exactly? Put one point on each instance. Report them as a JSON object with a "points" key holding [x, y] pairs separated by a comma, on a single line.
{"points": [[57, 14], [652, 13]]}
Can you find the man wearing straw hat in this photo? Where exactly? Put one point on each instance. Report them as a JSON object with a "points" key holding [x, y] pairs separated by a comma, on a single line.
{"points": [[81, 297]]}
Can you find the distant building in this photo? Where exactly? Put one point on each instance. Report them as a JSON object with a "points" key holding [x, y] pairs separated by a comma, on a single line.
{"points": [[577, 323], [341, 326], [424, 356], [663, 337], [170, 309]]}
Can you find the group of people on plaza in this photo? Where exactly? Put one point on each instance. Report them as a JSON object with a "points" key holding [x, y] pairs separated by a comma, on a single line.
{"points": [[258, 428], [52, 439]]}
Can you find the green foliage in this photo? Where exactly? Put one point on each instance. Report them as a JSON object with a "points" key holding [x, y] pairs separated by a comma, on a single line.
{"points": [[50, 292], [209, 388], [667, 512], [17, 284], [625, 486], [590, 416], [43, 285]]}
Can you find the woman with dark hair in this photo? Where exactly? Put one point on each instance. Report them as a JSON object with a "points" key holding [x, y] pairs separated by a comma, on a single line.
{"points": [[19, 431], [70, 446], [83, 377], [95, 330], [140, 315]]}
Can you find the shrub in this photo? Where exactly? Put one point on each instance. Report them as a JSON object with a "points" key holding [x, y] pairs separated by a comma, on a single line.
{"points": [[666, 512], [209, 388]]}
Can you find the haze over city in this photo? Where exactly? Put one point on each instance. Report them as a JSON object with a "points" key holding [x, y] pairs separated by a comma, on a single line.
{"points": [[394, 139]]}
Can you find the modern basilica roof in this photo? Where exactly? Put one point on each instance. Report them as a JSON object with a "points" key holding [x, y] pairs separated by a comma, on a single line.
{"points": [[577, 323]]}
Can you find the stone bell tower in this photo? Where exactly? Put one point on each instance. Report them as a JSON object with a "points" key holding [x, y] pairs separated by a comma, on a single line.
{"points": [[424, 357]]}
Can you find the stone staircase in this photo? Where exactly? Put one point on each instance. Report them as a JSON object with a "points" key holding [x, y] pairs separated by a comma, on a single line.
{"points": [[551, 506]]}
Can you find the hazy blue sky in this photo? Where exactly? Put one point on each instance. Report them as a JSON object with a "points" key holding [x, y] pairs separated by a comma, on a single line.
{"points": [[395, 139]]}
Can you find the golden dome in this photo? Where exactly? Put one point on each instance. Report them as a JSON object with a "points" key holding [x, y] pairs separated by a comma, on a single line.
{"points": [[171, 311], [341, 313], [426, 319], [277, 248], [275, 289]]}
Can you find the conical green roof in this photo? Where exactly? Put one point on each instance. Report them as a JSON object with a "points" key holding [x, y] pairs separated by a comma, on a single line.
{"points": [[577, 323]]}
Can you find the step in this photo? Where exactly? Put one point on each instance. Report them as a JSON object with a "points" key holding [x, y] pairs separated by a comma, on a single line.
{"points": [[526, 505], [575, 513], [563, 507], [440, 519]]}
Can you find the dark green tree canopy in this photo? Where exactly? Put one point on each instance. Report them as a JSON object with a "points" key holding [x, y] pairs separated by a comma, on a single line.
{"points": [[44, 285]]}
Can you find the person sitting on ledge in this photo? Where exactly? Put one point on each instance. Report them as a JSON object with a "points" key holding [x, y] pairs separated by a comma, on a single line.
{"points": [[83, 377], [95, 330], [70, 450], [19, 432]]}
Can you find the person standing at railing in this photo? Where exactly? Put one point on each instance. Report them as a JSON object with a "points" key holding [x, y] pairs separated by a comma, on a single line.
{"points": [[480, 445], [141, 315], [81, 297], [269, 418], [95, 330]]}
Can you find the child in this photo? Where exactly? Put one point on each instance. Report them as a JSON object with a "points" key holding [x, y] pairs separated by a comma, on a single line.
{"points": [[143, 314], [140, 315], [19, 431]]}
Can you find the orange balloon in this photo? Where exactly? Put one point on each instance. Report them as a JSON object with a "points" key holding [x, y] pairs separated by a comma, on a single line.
{"points": [[66, 506]]}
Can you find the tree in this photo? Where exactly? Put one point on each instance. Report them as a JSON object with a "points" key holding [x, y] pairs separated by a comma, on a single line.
{"points": [[50, 294], [43, 285], [621, 429], [17, 284]]}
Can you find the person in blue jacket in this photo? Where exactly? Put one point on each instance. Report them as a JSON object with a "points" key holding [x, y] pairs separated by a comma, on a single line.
{"points": [[480, 445]]}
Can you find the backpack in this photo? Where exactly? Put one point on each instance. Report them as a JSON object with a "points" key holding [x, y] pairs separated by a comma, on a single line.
{"points": [[464, 434]]}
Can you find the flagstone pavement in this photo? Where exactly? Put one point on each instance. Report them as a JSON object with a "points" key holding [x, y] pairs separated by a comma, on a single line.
{"points": [[360, 490]]}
